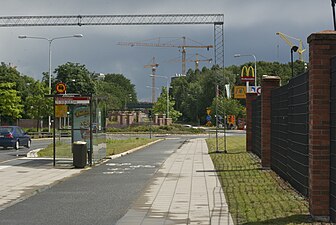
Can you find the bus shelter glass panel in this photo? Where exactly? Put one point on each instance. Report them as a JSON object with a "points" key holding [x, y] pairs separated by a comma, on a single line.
{"points": [[99, 132]]}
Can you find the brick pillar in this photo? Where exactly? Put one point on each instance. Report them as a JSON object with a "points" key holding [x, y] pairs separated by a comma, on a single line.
{"points": [[268, 83], [130, 118], [250, 97], [322, 46], [156, 119], [123, 119]]}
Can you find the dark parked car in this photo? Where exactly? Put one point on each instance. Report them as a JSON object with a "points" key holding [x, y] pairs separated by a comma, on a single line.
{"points": [[14, 136]]}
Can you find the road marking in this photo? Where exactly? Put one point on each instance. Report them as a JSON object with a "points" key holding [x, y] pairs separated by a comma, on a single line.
{"points": [[4, 167], [124, 168]]}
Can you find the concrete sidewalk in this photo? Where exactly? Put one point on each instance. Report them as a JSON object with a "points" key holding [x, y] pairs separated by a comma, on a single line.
{"points": [[23, 177], [185, 190]]}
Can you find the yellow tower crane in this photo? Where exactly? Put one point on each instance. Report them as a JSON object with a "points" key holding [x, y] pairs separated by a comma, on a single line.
{"points": [[170, 44], [300, 49]]}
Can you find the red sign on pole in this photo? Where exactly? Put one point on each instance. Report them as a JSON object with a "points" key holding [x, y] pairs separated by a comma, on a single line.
{"points": [[72, 100]]}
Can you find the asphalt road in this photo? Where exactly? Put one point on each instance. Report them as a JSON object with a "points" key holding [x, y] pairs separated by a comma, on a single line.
{"points": [[101, 195], [11, 153]]}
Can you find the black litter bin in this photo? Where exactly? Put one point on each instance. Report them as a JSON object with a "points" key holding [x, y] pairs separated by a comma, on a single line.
{"points": [[79, 151]]}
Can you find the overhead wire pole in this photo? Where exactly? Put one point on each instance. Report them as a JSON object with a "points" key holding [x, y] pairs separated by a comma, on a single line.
{"points": [[219, 60]]}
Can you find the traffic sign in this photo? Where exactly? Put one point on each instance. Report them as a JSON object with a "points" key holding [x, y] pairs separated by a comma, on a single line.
{"points": [[61, 111], [256, 89], [60, 88], [240, 92]]}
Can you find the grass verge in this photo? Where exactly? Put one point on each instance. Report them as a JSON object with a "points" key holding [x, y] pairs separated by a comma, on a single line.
{"points": [[63, 150], [255, 196], [118, 146]]}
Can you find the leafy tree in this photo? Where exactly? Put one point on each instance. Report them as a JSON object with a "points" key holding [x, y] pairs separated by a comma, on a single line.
{"points": [[160, 106], [10, 107], [191, 104], [118, 91], [228, 107], [76, 77], [9, 74], [37, 105]]}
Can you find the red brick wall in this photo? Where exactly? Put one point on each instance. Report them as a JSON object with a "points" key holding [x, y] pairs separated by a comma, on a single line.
{"points": [[250, 97], [268, 83], [322, 46]]}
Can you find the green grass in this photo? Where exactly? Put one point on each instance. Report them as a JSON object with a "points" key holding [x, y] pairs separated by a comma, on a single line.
{"points": [[63, 150], [255, 196], [119, 146]]}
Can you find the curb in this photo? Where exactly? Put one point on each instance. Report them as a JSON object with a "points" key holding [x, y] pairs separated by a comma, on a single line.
{"points": [[33, 153], [132, 150]]}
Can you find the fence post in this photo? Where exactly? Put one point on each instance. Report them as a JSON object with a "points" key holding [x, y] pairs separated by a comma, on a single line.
{"points": [[322, 46], [250, 97], [268, 83]]}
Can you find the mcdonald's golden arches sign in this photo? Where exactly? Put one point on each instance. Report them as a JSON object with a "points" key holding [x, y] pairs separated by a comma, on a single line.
{"points": [[245, 74]]}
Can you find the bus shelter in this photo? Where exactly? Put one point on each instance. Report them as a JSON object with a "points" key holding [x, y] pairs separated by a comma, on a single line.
{"points": [[83, 119]]}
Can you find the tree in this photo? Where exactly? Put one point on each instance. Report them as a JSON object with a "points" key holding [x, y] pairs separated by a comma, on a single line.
{"points": [[160, 106], [76, 77], [227, 107], [9, 74], [10, 107], [118, 90], [37, 105]]}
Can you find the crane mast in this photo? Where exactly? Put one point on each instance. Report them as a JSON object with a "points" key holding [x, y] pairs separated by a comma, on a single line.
{"points": [[153, 65], [300, 50]]}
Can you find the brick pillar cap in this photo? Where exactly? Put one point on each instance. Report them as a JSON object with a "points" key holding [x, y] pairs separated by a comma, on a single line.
{"points": [[322, 35], [264, 77]]}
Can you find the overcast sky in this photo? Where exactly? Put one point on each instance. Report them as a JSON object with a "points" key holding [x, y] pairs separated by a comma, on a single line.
{"points": [[250, 27]]}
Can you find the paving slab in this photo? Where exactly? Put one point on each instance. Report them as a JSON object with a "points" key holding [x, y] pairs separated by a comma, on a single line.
{"points": [[185, 190]]}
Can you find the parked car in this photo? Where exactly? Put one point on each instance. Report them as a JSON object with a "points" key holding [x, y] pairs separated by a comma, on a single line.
{"points": [[14, 137]]}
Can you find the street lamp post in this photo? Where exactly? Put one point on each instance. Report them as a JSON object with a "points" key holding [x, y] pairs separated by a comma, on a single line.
{"points": [[293, 49], [167, 87], [255, 65], [50, 40]]}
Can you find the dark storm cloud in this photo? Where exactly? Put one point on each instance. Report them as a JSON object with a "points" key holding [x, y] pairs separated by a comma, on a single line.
{"points": [[250, 27]]}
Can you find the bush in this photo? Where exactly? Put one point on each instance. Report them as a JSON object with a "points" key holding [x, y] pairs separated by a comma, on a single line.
{"points": [[174, 129]]}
